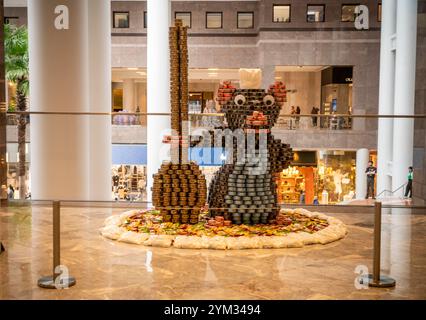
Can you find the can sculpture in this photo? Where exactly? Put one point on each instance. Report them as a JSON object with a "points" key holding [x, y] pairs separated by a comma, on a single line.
{"points": [[179, 189]]}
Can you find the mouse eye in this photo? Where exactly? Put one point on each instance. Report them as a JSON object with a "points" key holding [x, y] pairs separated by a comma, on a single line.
{"points": [[240, 100], [269, 100]]}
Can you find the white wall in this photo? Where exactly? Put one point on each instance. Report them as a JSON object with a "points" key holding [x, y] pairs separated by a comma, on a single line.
{"points": [[308, 86]]}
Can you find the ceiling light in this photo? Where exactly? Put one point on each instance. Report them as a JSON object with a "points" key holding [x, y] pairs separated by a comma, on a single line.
{"points": [[132, 69], [212, 69], [141, 73]]}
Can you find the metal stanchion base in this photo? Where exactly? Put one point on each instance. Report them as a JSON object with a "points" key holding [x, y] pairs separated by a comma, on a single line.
{"points": [[49, 283], [384, 281]]}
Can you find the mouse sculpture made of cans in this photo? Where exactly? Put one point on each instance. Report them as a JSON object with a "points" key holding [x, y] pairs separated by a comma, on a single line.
{"points": [[244, 189]]}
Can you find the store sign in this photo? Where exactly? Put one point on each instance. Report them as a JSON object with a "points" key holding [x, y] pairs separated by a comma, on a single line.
{"points": [[62, 20], [362, 21]]}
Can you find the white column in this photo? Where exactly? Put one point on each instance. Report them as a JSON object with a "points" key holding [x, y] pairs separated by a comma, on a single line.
{"points": [[129, 97], [58, 82], [268, 76], [362, 158], [158, 75], [61, 80], [386, 97], [100, 161], [405, 73]]}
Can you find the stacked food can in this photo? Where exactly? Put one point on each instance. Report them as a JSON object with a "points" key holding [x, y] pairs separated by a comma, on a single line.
{"points": [[179, 190], [244, 191], [225, 92], [279, 91]]}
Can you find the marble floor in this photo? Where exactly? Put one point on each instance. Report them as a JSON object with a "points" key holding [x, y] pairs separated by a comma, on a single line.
{"points": [[111, 270]]}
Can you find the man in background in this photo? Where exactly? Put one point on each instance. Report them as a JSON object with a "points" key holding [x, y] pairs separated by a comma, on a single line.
{"points": [[371, 175], [409, 188], [314, 112]]}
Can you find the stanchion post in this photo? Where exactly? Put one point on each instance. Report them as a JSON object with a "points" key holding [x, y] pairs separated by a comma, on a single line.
{"points": [[377, 240], [56, 281], [56, 206], [375, 279]]}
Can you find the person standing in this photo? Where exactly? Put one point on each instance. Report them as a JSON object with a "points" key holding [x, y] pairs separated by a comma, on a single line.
{"points": [[11, 192], [297, 118], [292, 112], [314, 112], [409, 188], [371, 175]]}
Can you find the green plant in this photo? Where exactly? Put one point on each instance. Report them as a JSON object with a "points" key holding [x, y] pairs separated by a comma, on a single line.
{"points": [[12, 106], [17, 64]]}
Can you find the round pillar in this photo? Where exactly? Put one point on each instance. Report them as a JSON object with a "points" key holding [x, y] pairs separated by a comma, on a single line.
{"points": [[386, 97], [129, 96], [362, 158], [268, 76], [405, 76], [158, 84], [62, 63], [100, 150]]}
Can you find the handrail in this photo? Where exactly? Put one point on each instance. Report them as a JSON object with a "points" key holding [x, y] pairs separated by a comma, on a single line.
{"points": [[392, 192], [391, 116]]}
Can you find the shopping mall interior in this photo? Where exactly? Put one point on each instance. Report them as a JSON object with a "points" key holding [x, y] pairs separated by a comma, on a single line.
{"points": [[290, 136]]}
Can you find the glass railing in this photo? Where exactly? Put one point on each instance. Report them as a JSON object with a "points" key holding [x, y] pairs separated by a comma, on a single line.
{"points": [[323, 171]]}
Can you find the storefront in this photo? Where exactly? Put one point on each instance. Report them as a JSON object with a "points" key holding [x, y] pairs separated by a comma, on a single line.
{"points": [[322, 176], [128, 171]]}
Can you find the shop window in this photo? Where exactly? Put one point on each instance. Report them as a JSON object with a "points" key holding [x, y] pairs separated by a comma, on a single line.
{"points": [[245, 20], [281, 13], [214, 20], [121, 20], [145, 19], [348, 12], [11, 20], [117, 99], [185, 17], [379, 12], [315, 13]]}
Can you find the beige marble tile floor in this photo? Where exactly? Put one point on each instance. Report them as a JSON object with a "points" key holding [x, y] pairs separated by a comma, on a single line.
{"points": [[110, 270]]}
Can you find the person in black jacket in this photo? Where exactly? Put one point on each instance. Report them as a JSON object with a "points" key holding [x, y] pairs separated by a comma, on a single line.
{"points": [[371, 175], [314, 112]]}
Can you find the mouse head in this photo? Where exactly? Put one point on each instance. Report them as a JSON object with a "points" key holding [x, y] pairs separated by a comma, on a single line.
{"points": [[249, 104]]}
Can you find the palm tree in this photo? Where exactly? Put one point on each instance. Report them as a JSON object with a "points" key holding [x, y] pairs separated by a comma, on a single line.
{"points": [[16, 62]]}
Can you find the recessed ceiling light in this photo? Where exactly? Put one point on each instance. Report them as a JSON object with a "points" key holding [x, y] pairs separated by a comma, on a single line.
{"points": [[212, 69], [132, 69]]}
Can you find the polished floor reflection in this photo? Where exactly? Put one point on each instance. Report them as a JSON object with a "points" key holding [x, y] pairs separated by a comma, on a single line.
{"points": [[111, 270]]}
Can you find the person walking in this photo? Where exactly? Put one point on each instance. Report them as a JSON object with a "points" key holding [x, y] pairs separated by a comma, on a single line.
{"points": [[371, 175], [409, 188]]}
